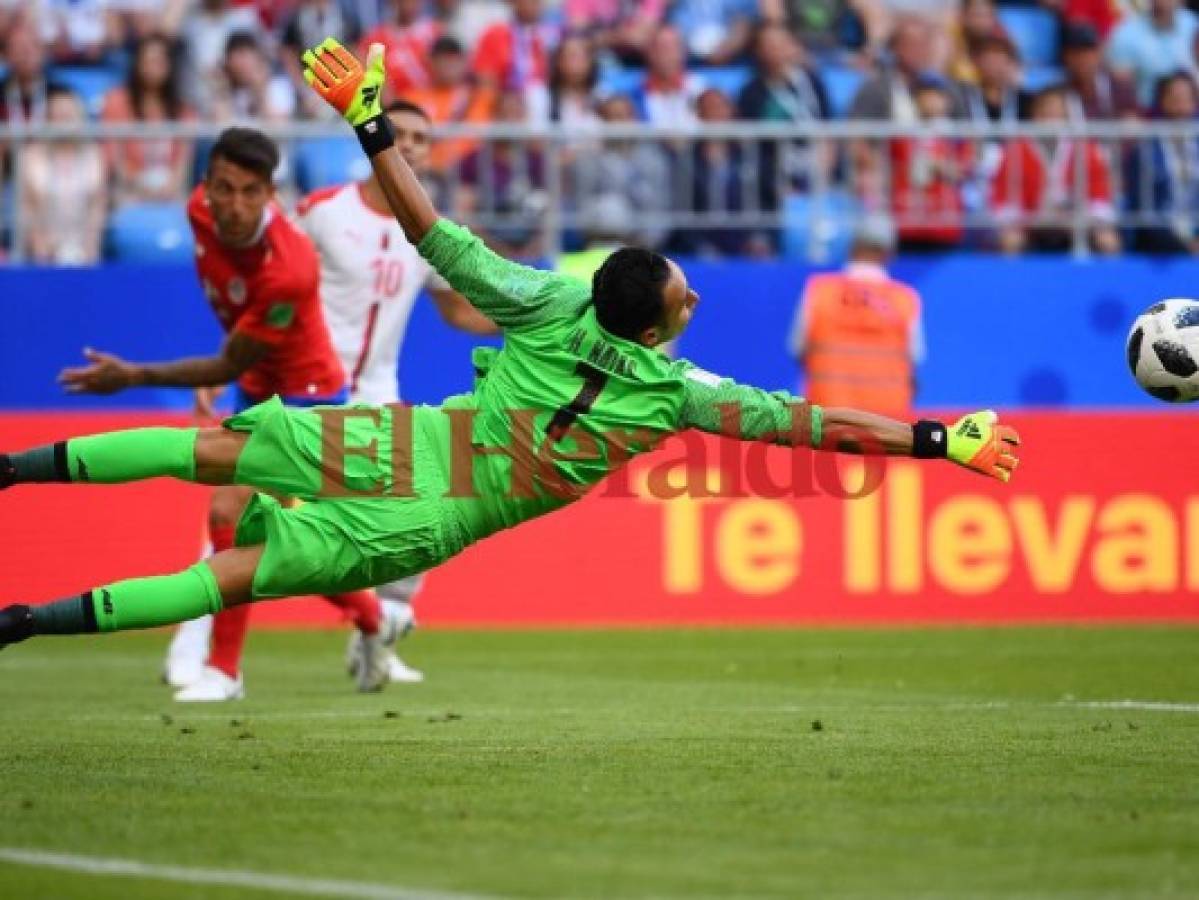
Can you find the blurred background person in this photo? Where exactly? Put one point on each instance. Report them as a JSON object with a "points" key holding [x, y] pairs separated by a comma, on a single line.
{"points": [[1095, 92], [515, 55], [78, 32], [26, 86], [927, 174], [205, 32], [1034, 194], [149, 169], [620, 29], [574, 79], [1163, 174], [636, 171], [309, 23], [716, 32], [839, 30], [407, 37], [250, 89], [1149, 44], [784, 88], [502, 188], [719, 189], [63, 190], [667, 94], [857, 334], [977, 24], [452, 97]]}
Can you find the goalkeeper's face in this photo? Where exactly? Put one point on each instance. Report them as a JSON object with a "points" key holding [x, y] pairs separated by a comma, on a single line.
{"points": [[678, 304], [412, 137]]}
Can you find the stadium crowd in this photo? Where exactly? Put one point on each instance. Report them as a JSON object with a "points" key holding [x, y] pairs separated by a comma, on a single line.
{"points": [[683, 65]]}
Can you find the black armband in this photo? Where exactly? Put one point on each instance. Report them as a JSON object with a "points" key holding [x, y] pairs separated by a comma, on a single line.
{"points": [[930, 440], [375, 135]]}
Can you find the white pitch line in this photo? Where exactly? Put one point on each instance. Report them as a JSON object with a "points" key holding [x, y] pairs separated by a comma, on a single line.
{"points": [[287, 884], [1146, 705]]}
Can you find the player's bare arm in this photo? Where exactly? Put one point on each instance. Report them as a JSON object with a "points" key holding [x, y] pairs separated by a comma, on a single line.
{"points": [[107, 373], [354, 90], [457, 312]]}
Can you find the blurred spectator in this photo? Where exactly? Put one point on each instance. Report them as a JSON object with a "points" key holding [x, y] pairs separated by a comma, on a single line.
{"points": [[857, 334], [63, 191], [1163, 174], [829, 27], [995, 94], [717, 32], [927, 173], [718, 186], [150, 169], [24, 90], [637, 172], [452, 97], [620, 27], [888, 96], [668, 93], [783, 89], [206, 32], [309, 23], [574, 75], [1094, 92], [502, 187], [1148, 45], [466, 20], [407, 39], [1102, 15], [78, 31], [138, 19], [515, 56], [977, 25], [250, 89], [1038, 180]]}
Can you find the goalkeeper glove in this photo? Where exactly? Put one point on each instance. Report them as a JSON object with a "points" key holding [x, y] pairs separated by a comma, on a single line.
{"points": [[352, 89], [975, 441]]}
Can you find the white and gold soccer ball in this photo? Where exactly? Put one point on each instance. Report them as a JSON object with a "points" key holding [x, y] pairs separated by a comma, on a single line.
{"points": [[1163, 350]]}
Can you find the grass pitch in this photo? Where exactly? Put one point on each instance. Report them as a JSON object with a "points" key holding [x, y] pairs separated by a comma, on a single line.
{"points": [[622, 764]]}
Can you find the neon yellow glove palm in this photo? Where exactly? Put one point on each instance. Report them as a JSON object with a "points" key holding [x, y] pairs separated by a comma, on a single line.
{"points": [[976, 441], [343, 82]]}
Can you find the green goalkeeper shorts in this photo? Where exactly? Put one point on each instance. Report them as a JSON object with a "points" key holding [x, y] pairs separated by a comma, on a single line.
{"points": [[330, 544]]}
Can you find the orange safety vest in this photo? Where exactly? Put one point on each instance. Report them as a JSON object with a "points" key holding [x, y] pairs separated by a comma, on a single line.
{"points": [[857, 343]]}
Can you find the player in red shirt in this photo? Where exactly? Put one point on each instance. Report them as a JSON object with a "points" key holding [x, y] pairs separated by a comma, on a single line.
{"points": [[262, 276]]}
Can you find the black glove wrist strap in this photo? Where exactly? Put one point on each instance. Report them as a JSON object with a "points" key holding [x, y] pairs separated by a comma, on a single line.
{"points": [[375, 135], [930, 440]]}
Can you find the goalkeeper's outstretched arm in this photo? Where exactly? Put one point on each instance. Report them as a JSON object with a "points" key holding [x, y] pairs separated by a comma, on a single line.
{"points": [[354, 91]]}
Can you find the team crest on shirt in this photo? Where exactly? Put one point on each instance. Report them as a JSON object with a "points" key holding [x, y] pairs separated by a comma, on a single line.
{"points": [[236, 289]]}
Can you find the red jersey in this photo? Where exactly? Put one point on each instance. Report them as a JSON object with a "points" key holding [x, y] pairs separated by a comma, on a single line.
{"points": [[269, 291]]}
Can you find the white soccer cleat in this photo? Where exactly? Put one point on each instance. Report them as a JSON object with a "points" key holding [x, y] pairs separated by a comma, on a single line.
{"points": [[372, 670], [213, 686], [187, 653], [399, 672]]}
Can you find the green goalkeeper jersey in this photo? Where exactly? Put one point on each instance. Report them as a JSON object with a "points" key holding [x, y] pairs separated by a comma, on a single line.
{"points": [[564, 402]]}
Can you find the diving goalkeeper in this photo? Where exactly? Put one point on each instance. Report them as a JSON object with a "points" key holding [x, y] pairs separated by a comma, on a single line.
{"points": [[578, 387]]}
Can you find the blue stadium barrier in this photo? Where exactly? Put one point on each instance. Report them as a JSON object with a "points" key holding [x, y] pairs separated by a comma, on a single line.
{"points": [[328, 161], [1034, 31], [842, 84], [154, 233], [620, 81], [91, 83], [1045, 332]]}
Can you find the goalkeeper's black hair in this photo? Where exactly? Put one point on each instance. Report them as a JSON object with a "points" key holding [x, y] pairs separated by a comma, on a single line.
{"points": [[246, 148], [627, 291]]}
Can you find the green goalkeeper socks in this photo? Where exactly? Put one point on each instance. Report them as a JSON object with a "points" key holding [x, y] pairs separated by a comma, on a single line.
{"points": [[135, 603], [112, 458]]}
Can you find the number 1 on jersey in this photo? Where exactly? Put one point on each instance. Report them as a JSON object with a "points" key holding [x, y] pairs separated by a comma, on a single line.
{"points": [[593, 383]]}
